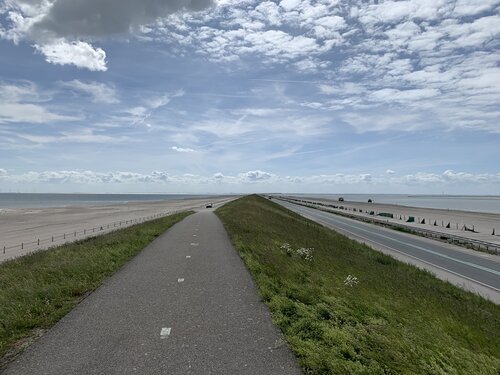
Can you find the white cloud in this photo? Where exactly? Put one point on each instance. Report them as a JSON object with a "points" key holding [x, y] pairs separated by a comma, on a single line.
{"points": [[79, 54], [29, 113], [394, 95], [255, 176], [87, 135], [99, 92], [161, 101], [181, 149], [139, 114], [390, 171], [472, 7], [21, 103], [22, 91], [289, 5]]}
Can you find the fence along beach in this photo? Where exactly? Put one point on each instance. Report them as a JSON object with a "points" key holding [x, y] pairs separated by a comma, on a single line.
{"points": [[26, 230]]}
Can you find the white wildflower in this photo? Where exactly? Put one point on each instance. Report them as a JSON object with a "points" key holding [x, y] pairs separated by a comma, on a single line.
{"points": [[351, 280], [305, 253], [286, 246]]}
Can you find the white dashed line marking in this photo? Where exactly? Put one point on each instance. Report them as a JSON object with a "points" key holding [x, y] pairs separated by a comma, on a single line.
{"points": [[194, 235], [165, 332], [188, 256], [180, 280], [194, 243]]}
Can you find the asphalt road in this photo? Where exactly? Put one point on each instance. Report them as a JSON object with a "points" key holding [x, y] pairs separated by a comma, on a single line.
{"points": [[473, 270], [185, 305]]}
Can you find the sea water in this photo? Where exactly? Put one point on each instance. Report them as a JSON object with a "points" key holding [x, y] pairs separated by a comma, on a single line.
{"points": [[475, 203], [27, 200]]}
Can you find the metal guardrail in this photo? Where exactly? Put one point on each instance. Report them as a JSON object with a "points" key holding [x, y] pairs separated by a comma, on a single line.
{"points": [[448, 237], [82, 233]]}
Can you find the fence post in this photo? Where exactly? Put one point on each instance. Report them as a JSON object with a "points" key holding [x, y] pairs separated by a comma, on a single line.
{"points": [[52, 238], [4, 249], [64, 236], [38, 243], [22, 245]]}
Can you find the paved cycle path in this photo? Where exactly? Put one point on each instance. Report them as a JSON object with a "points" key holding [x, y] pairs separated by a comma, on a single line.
{"points": [[185, 305]]}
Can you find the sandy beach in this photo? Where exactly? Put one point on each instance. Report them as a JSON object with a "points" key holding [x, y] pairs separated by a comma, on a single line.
{"points": [[20, 229], [486, 225]]}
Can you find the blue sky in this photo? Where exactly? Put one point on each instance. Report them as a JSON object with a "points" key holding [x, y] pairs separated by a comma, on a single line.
{"points": [[194, 96]]}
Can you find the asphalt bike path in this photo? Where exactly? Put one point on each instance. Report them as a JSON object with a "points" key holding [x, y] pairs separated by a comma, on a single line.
{"points": [[185, 305]]}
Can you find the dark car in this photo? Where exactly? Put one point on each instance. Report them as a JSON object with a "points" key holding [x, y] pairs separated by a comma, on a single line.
{"points": [[209, 205]]}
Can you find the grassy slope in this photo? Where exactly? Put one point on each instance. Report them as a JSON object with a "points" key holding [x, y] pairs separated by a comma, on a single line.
{"points": [[397, 320], [39, 289]]}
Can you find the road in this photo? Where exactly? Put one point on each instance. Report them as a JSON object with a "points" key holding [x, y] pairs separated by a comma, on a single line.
{"points": [[475, 271], [185, 305]]}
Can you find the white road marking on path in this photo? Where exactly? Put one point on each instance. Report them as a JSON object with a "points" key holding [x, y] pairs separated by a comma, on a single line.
{"points": [[180, 280], [194, 235], [194, 244], [165, 332], [188, 256]]}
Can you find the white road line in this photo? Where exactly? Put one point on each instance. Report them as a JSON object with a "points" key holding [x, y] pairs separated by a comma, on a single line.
{"points": [[165, 332], [194, 235], [188, 256], [180, 280], [194, 244]]}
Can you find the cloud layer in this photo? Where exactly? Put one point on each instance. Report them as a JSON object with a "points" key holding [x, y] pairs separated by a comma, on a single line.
{"points": [[256, 177]]}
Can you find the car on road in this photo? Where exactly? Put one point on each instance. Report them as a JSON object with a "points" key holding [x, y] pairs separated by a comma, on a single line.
{"points": [[209, 205]]}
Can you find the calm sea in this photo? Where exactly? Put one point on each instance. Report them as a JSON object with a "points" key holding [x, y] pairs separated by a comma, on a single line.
{"points": [[453, 202], [26, 200], [476, 203]]}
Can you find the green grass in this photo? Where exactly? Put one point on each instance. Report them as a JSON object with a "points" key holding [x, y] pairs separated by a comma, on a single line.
{"points": [[396, 320], [39, 289]]}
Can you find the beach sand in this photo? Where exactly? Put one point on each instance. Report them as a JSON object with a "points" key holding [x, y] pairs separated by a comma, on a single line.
{"points": [[20, 229], [484, 224]]}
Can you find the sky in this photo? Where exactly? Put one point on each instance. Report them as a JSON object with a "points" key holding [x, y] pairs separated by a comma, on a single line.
{"points": [[201, 96]]}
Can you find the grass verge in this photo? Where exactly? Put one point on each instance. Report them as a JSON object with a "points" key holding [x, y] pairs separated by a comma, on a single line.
{"points": [[353, 310], [39, 289]]}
